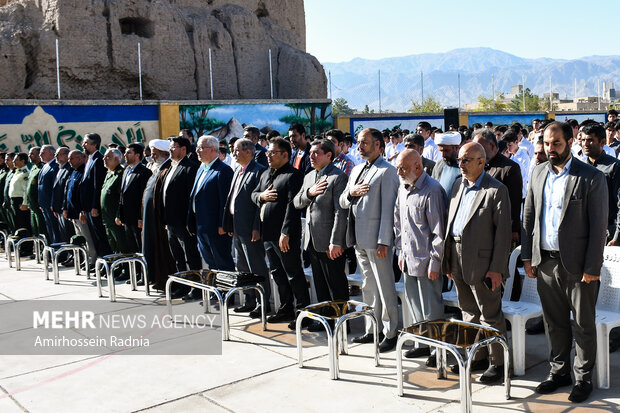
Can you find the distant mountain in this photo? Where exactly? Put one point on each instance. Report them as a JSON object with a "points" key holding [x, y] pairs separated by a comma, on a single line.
{"points": [[357, 80]]}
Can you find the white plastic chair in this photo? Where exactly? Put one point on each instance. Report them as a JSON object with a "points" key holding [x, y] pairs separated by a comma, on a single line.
{"points": [[607, 312], [518, 312]]}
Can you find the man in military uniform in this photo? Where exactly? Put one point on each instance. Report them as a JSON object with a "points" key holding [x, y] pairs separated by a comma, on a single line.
{"points": [[32, 193], [4, 170], [17, 193], [110, 201]]}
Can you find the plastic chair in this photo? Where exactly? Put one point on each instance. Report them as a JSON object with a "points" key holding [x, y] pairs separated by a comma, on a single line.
{"points": [[607, 312]]}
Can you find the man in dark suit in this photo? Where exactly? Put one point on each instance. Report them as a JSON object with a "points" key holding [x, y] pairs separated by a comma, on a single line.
{"points": [[242, 222], [65, 228], [206, 209], [177, 187], [476, 250], [253, 133], [134, 182], [326, 222], [300, 156], [47, 177], [564, 231], [281, 229], [6, 203], [90, 193]]}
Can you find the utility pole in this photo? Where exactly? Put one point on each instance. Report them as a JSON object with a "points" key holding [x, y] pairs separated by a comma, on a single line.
{"points": [[459, 81], [493, 90], [379, 91], [422, 83], [523, 91]]}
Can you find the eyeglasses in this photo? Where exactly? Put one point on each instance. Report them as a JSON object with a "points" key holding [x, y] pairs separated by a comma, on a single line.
{"points": [[270, 153], [465, 161]]}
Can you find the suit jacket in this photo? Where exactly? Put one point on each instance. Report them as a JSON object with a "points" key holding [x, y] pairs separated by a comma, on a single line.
{"points": [[280, 216], [246, 217], [583, 221], [176, 197], [326, 221], [47, 177], [373, 213], [60, 186], [132, 188], [428, 166], [92, 181], [260, 155], [508, 172], [207, 199], [486, 236], [74, 187]]}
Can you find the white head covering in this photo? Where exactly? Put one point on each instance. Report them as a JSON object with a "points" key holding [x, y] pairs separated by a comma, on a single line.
{"points": [[448, 138], [160, 144]]}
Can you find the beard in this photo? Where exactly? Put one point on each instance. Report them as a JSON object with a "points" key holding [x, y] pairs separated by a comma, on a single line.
{"points": [[560, 158]]}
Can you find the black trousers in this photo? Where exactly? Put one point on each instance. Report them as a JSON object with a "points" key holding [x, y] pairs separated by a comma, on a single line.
{"points": [[22, 218], [133, 234], [97, 232], [330, 281], [288, 273], [184, 248]]}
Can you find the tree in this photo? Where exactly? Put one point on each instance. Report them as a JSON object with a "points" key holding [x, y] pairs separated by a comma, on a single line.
{"points": [[430, 105], [489, 105], [544, 105], [368, 110], [340, 106], [532, 102]]}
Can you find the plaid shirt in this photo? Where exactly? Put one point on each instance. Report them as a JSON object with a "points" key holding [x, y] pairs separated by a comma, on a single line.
{"points": [[344, 163]]}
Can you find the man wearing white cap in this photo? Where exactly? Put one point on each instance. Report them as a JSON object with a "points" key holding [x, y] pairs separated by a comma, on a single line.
{"points": [[160, 152], [447, 169]]}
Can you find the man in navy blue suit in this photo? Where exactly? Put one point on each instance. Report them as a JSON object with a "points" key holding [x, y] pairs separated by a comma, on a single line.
{"points": [[206, 210], [90, 193], [46, 189]]}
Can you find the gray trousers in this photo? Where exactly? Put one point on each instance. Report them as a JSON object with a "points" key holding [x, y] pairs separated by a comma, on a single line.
{"points": [[424, 298], [83, 230], [378, 289], [561, 294], [479, 305], [251, 258]]}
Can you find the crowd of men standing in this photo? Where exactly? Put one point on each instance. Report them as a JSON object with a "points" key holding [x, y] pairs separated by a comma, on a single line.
{"points": [[424, 205]]}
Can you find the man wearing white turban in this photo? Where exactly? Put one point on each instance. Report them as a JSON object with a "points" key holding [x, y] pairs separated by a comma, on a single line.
{"points": [[447, 169]]}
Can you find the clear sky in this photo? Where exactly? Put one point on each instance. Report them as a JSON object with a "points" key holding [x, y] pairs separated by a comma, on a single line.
{"points": [[340, 30]]}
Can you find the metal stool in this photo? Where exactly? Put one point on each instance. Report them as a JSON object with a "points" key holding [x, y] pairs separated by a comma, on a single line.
{"points": [[110, 262], [452, 335], [338, 312], [51, 253], [14, 244], [206, 283]]}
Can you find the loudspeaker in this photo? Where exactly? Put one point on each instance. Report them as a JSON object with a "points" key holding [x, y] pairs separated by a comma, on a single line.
{"points": [[450, 117]]}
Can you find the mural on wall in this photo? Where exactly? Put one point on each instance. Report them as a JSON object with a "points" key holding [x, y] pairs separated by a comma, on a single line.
{"points": [[22, 127], [505, 119], [227, 121], [580, 117], [409, 122]]}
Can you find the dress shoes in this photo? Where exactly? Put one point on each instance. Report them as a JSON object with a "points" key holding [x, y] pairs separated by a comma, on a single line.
{"points": [[553, 382], [245, 308], [281, 317], [176, 294], [492, 374], [121, 276], [388, 344], [193, 295], [431, 361], [67, 263], [305, 323], [580, 392], [366, 338], [257, 312], [418, 352], [476, 365]]}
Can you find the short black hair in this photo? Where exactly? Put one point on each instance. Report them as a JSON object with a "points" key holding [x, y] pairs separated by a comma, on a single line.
{"points": [[253, 130], [183, 142], [336, 134], [424, 125], [502, 146], [326, 146], [567, 130], [94, 138], [612, 112], [376, 134], [282, 144], [486, 134], [22, 156], [188, 132], [137, 149], [415, 138], [477, 126], [272, 134], [595, 130], [297, 127], [573, 123], [510, 136]]}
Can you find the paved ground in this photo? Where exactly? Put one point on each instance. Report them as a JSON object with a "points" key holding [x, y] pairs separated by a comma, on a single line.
{"points": [[257, 372]]}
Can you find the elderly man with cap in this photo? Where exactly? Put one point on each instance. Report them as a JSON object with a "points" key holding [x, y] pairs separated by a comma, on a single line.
{"points": [[159, 260], [447, 169], [419, 228]]}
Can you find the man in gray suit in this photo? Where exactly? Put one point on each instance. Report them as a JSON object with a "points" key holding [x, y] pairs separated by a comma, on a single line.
{"points": [[326, 222], [476, 250], [242, 222], [564, 230], [370, 197]]}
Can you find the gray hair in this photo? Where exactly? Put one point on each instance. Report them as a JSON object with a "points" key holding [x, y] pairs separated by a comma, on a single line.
{"points": [[485, 133], [209, 141], [246, 145], [116, 153], [48, 147]]}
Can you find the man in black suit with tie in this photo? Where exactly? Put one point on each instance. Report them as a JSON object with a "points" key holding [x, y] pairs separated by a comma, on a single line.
{"points": [[134, 181], [253, 133], [90, 193], [59, 193], [242, 222], [281, 229], [177, 187], [46, 179]]}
